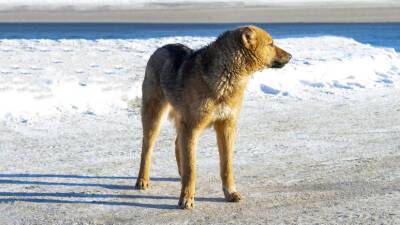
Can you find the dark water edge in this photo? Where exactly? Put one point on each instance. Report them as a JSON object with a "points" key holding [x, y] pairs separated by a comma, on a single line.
{"points": [[377, 34]]}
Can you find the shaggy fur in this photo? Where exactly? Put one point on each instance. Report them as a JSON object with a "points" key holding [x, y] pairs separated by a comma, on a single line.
{"points": [[200, 89]]}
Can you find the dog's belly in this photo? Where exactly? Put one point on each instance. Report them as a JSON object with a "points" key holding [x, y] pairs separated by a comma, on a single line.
{"points": [[222, 112]]}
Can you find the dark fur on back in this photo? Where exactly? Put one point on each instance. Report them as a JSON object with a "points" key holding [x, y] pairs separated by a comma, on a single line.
{"points": [[213, 66], [171, 79]]}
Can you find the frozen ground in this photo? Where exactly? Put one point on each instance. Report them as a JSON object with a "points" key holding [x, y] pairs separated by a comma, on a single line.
{"points": [[318, 141], [307, 162]]}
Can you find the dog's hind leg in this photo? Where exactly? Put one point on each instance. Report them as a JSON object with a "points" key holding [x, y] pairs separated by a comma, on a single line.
{"points": [[153, 109], [178, 155], [225, 137], [188, 136]]}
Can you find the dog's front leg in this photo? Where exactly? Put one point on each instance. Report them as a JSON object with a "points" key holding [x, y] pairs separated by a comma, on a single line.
{"points": [[188, 141], [225, 137]]}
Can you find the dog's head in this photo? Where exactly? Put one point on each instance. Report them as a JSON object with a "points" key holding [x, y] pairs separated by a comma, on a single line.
{"points": [[262, 48]]}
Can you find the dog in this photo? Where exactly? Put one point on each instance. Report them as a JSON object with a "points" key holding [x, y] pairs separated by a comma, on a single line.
{"points": [[202, 88]]}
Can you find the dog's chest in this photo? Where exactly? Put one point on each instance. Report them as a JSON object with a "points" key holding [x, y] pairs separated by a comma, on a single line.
{"points": [[222, 111]]}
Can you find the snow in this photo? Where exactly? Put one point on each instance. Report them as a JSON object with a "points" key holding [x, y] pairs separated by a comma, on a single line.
{"points": [[41, 77], [330, 65], [335, 162]]}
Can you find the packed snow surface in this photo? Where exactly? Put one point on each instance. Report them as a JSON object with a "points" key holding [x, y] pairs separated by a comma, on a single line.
{"points": [[43, 77]]}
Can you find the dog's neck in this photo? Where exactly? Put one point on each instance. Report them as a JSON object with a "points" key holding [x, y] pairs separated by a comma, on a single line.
{"points": [[225, 70]]}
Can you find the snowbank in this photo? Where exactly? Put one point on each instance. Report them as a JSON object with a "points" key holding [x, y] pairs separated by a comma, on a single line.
{"points": [[44, 77], [329, 65]]}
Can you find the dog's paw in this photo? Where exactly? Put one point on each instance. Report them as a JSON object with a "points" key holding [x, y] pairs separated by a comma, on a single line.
{"points": [[232, 196], [186, 203], [142, 184]]}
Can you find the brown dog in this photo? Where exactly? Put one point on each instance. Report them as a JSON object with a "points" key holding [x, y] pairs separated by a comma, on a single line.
{"points": [[200, 89]]}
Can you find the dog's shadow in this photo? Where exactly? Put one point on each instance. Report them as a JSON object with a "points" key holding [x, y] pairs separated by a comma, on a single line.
{"points": [[99, 199]]}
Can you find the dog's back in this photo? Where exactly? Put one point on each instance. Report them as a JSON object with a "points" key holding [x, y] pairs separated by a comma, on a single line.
{"points": [[162, 70]]}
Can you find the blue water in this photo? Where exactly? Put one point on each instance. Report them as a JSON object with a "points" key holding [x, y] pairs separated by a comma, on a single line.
{"points": [[377, 34]]}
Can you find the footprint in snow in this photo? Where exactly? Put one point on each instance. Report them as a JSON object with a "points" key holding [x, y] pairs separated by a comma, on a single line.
{"points": [[269, 90], [312, 84], [36, 68], [79, 71], [7, 50], [44, 50], [355, 84], [57, 61], [103, 49], [385, 81], [337, 84], [5, 72], [24, 72], [82, 83], [109, 72], [29, 48]]}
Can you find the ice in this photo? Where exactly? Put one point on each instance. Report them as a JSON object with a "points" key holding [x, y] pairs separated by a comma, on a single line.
{"points": [[44, 77]]}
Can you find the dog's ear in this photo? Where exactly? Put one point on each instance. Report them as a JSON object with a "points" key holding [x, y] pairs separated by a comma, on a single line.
{"points": [[249, 38]]}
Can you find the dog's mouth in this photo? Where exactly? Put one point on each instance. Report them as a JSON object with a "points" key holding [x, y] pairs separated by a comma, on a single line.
{"points": [[279, 63]]}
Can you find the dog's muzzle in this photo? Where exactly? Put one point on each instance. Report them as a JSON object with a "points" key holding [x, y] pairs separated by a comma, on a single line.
{"points": [[279, 63]]}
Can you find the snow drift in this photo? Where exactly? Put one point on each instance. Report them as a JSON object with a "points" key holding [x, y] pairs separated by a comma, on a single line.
{"points": [[44, 77]]}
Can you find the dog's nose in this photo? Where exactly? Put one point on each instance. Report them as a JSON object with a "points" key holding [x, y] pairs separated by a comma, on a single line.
{"points": [[289, 57]]}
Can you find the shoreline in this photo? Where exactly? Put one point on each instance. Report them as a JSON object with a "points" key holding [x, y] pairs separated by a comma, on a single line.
{"points": [[247, 14]]}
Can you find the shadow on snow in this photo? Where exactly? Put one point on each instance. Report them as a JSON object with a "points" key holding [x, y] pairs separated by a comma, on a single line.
{"points": [[11, 197]]}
